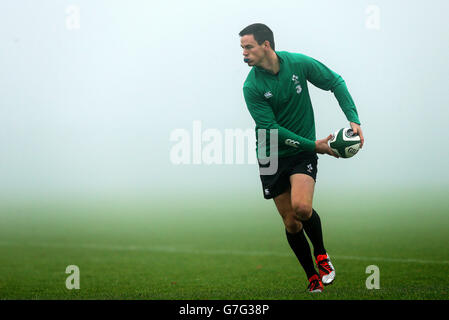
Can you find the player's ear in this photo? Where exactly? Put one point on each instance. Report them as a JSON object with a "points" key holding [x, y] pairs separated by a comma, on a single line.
{"points": [[266, 44]]}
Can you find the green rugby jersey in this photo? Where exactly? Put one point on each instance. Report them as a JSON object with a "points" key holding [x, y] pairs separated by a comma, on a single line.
{"points": [[282, 101]]}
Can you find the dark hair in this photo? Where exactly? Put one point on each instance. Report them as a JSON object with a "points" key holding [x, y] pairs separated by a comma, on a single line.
{"points": [[260, 32]]}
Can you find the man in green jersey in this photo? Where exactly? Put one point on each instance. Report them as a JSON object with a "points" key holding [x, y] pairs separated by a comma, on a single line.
{"points": [[277, 98]]}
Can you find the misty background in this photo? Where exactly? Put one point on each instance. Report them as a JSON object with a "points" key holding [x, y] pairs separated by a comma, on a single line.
{"points": [[90, 92]]}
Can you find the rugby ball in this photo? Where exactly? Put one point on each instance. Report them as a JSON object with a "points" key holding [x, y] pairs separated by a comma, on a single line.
{"points": [[345, 143]]}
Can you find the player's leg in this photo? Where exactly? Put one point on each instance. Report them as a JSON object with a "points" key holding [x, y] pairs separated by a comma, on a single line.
{"points": [[297, 240], [302, 189], [284, 207]]}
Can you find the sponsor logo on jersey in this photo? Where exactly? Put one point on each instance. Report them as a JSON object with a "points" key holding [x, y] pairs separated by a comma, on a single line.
{"points": [[292, 143], [298, 89], [268, 95]]}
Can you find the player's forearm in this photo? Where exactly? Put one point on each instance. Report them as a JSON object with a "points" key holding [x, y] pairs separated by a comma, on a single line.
{"points": [[291, 139], [345, 101]]}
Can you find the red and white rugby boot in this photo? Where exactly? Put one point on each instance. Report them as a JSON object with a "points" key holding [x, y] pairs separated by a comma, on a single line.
{"points": [[315, 284], [327, 270]]}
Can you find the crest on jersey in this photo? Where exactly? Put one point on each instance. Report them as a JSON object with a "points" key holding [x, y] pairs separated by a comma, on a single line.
{"points": [[295, 79]]}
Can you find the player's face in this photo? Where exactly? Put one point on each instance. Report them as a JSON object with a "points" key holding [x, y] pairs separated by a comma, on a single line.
{"points": [[253, 53]]}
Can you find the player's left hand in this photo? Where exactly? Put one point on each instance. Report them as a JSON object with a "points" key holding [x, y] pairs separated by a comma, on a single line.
{"points": [[357, 130]]}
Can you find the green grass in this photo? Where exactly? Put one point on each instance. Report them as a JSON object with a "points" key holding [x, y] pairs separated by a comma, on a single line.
{"points": [[236, 249]]}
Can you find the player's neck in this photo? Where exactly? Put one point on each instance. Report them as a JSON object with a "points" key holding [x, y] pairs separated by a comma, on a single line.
{"points": [[271, 63]]}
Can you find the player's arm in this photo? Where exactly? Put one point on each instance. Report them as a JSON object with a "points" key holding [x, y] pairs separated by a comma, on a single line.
{"points": [[324, 78], [263, 115]]}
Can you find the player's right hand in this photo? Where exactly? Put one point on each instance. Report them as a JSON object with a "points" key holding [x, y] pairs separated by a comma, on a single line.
{"points": [[322, 147]]}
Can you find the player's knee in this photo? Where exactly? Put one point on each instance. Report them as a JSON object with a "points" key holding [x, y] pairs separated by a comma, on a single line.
{"points": [[292, 225], [303, 211]]}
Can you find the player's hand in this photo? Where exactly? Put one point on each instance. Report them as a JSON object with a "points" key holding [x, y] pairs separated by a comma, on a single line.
{"points": [[357, 130], [322, 146]]}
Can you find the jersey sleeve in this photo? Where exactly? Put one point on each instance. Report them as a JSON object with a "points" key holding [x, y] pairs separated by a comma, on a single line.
{"points": [[264, 117], [326, 79]]}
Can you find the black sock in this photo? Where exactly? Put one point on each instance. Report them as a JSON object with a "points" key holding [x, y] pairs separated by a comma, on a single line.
{"points": [[300, 247], [314, 232]]}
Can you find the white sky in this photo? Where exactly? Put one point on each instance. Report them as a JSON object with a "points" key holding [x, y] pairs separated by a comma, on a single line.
{"points": [[91, 109]]}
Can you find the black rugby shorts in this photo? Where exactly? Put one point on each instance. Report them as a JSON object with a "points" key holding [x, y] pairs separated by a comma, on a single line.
{"points": [[279, 182]]}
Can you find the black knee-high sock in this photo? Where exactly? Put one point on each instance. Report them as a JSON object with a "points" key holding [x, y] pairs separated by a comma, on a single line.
{"points": [[314, 232], [300, 247]]}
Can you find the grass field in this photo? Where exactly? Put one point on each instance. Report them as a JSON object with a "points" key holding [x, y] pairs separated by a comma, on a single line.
{"points": [[231, 247]]}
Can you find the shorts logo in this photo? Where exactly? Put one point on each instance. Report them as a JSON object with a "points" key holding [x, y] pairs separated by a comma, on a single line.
{"points": [[267, 192], [309, 168]]}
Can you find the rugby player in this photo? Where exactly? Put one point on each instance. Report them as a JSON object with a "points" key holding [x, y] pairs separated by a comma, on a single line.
{"points": [[277, 97]]}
